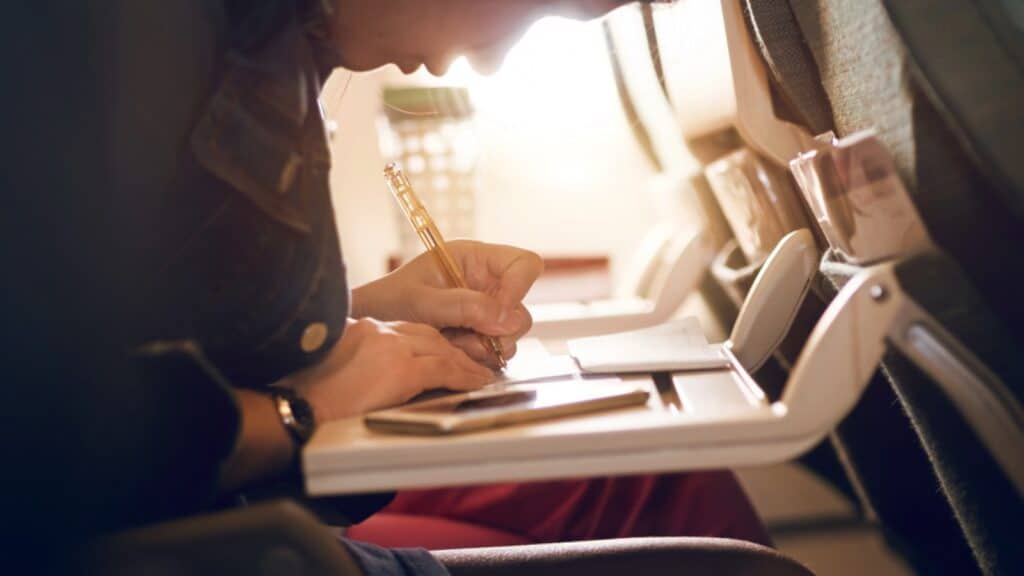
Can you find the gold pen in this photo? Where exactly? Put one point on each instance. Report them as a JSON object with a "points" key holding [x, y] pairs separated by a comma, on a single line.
{"points": [[432, 239]]}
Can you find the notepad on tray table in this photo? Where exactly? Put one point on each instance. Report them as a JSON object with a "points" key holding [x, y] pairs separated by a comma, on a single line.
{"points": [[669, 347]]}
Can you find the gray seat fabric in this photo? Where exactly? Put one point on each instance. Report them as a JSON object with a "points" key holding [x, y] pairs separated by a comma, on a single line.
{"points": [[868, 78], [778, 37], [986, 504]]}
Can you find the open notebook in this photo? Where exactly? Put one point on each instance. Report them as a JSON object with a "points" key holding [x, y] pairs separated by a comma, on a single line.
{"points": [[672, 346]]}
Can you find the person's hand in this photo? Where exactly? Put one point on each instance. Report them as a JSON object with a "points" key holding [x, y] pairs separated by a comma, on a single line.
{"points": [[498, 278], [380, 364]]}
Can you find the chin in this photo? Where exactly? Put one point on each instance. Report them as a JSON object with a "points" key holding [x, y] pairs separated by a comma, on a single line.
{"points": [[485, 67], [438, 68]]}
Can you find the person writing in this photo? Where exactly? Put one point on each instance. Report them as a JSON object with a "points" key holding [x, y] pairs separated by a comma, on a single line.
{"points": [[247, 329]]}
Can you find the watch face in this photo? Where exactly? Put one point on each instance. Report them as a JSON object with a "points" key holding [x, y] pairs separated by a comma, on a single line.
{"points": [[296, 414]]}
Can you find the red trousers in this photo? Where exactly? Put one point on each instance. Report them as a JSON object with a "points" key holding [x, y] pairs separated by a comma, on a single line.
{"points": [[693, 504]]}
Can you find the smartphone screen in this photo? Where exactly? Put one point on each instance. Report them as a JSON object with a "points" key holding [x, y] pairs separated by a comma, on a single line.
{"points": [[504, 406], [461, 403]]}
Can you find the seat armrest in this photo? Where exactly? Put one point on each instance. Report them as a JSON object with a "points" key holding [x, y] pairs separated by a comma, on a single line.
{"points": [[624, 556], [277, 537]]}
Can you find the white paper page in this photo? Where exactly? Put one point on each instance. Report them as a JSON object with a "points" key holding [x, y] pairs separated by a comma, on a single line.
{"points": [[533, 362], [677, 345]]}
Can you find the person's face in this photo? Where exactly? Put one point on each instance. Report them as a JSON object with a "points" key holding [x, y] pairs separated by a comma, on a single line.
{"points": [[408, 33]]}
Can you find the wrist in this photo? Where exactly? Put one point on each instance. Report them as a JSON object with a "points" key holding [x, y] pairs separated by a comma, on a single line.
{"points": [[356, 301], [263, 448], [319, 408], [324, 402], [367, 299], [312, 385], [383, 299]]}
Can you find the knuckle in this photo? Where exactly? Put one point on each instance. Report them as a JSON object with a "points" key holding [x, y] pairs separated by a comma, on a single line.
{"points": [[357, 328], [462, 243], [363, 327], [527, 319], [535, 260], [509, 348], [427, 330]]}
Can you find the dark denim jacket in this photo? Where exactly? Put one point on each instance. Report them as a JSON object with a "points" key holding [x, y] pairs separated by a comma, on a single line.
{"points": [[244, 262], [261, 283]]}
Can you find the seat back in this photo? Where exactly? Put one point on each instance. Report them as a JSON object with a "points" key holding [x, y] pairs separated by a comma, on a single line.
{"points": [[940, 83], [272, 538], [872, 80]]}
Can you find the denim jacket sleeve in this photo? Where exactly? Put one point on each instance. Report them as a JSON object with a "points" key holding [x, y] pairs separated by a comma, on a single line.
{"points": [[258, 281], [244, 259], [190, 422]]}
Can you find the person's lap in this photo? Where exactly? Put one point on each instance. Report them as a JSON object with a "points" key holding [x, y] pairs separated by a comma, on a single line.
{"points": [[692, 504]]}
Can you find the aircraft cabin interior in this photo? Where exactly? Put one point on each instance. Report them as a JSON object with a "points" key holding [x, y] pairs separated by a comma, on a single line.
{"points": [[662, 287]]}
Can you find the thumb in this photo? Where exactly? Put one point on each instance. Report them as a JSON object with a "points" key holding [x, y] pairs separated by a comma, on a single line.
{"points": [[464, 308]]}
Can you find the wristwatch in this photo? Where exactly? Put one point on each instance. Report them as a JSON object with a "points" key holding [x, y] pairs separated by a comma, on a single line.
{"points": [[296, 414]]}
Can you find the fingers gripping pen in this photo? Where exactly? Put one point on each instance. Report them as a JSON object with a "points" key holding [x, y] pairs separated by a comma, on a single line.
{"points": [[432, 239]]}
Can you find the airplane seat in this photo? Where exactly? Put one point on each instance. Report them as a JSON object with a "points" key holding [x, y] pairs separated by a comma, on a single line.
{"points": [[280, 537], [940, 83]]}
